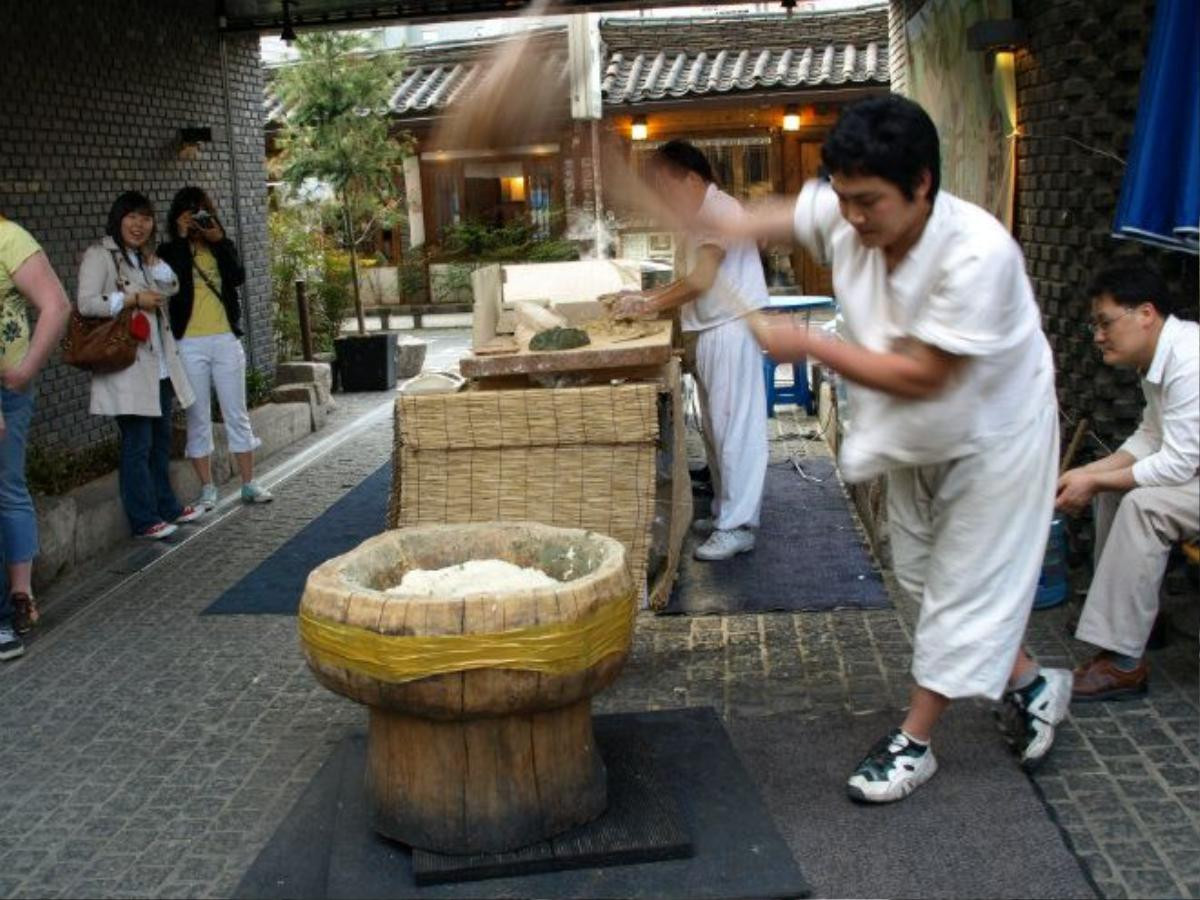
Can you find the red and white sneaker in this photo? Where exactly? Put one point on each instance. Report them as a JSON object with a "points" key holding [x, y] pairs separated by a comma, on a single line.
{"points": [[190, 514], [158, 531]]}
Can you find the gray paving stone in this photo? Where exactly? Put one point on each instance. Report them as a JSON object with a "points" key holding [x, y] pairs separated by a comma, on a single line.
{"points": [[1151, 883], [1142, 788]]}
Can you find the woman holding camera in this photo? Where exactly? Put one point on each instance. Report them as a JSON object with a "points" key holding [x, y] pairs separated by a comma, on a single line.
{"points": [[118, 273], [205, 317]]}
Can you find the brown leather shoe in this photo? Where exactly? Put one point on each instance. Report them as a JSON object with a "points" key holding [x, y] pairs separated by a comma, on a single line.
{"points": [[25, 612], [1100, 679]]}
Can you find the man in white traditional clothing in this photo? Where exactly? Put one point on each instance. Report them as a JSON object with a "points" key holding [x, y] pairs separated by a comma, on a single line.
{"points": [[951, 383], [728, 359]]}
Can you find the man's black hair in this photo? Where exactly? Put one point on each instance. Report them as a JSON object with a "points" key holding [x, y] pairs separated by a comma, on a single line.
{"points": [[683, 158], [889, 137], [1131, 285], [128, 202]]}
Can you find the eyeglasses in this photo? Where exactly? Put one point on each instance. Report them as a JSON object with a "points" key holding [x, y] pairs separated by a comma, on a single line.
{"points": [[1100, 323]]}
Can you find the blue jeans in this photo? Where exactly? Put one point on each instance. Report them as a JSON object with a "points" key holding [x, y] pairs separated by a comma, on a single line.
{"points": [[145, 472], [18, 523]]}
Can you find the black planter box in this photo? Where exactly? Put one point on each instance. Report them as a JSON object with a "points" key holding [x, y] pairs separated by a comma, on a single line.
{"points": [[366, 362]]}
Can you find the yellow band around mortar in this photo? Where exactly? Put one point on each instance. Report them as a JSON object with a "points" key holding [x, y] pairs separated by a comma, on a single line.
{"points": [[558, 648]]}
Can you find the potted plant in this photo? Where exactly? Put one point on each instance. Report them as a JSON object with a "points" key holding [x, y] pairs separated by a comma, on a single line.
{"points": [[336, 133]]}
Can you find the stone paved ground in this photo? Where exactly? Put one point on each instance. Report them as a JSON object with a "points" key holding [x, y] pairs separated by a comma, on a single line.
{"points": [[147, 751]]}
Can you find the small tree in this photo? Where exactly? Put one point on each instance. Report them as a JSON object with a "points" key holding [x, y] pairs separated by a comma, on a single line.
{"points": [[336, 131]]}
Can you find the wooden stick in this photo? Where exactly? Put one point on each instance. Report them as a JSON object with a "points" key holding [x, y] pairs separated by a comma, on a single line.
{"points": [[1073, 447]]}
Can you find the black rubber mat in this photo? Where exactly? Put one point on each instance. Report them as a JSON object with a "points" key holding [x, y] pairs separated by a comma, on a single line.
{"points": [[809, 554], [325, 846]]}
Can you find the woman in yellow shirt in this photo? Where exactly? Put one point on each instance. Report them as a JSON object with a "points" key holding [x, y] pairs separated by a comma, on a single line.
{"points": [[26, 279], [205, 319]]}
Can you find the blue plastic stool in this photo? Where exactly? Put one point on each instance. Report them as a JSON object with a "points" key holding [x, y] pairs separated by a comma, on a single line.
{"points": [[797, 392], [1053, 583]]}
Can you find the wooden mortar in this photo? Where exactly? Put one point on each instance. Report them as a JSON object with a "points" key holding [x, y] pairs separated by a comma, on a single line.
{"points": [[480, 737]]}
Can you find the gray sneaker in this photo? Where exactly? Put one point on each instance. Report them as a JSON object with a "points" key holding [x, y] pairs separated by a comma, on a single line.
{"points": [[253, 493], [207, 499], [11, 646]]}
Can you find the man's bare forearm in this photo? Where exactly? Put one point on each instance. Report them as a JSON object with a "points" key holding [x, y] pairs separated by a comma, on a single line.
{"points": [[1114, 461]]}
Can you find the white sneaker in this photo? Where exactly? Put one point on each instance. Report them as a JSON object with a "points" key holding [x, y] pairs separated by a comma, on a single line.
{"points": [[726, 544], [1032, 713], [703, 526], [895, 767], [207, 499]]}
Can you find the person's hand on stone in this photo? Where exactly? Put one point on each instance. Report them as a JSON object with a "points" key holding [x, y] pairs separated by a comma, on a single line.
{"points": [[633, 305]]}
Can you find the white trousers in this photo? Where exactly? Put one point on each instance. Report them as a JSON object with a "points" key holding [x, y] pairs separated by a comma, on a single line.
{"points": [[734, 410], [216, 361], [1134, 534], [968, 539]]}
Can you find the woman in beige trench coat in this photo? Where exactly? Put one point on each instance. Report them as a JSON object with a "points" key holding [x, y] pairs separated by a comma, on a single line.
{"points": [[121, 272]]}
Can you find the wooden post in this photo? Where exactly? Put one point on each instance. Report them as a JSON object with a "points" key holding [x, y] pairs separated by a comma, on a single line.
{"points": [[306, 341]]}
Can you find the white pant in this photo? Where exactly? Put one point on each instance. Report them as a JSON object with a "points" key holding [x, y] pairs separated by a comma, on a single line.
{"points": [[968, 539], [218, 361], [1134, 534], [733, 405]]}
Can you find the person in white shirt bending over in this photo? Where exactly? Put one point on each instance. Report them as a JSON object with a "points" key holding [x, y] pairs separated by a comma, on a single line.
{"points": [[1146, 495], [951, 387], [728, 361]]}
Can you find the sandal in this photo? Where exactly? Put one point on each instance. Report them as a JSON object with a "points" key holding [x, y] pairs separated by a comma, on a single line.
{"points": [[25, 612]]}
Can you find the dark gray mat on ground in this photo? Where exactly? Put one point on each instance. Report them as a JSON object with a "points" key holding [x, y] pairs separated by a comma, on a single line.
{"points": [[275, 585], [979, 828], [809, 555], [325, 847]]}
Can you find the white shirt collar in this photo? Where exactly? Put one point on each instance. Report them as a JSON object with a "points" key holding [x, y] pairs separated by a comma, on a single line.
{"points": [[1166, 338]]}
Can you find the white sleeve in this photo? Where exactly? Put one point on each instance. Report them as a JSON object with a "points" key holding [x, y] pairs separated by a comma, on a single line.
{"points": [[816, 214], [116, 302], [1177, 458], [979, 305], [165, 279]]}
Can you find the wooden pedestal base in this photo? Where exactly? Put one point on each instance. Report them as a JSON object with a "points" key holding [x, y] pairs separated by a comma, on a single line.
{"points": [[483, 785]]}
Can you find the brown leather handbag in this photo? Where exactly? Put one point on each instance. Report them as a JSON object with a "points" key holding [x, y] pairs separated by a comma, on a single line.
{"points": [[100, 345]]}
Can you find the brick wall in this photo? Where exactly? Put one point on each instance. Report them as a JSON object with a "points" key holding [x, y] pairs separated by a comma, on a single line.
{"points": [[95, 92], [1077, 94]]}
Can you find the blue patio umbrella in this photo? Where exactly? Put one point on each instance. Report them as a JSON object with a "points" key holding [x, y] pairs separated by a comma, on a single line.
{"points": [[1160, 195]]}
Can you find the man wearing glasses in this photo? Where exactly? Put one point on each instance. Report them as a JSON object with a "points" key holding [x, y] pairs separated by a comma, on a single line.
{"points": [[1146, 493]]}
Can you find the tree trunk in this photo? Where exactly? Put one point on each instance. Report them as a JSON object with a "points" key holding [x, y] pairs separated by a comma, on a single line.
{"points": [[358, 307]]}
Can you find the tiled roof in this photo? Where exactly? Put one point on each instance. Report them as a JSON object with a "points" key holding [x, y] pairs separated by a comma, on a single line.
{"points": [[435, 75], [657, 59], [651, 60]]}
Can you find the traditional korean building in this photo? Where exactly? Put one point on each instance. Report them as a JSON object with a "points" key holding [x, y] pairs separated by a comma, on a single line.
{"points": [[757, 93]]}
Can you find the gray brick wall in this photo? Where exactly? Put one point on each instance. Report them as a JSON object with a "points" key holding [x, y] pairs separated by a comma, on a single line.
{"points": [[1077, 94], [95, 94]]}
